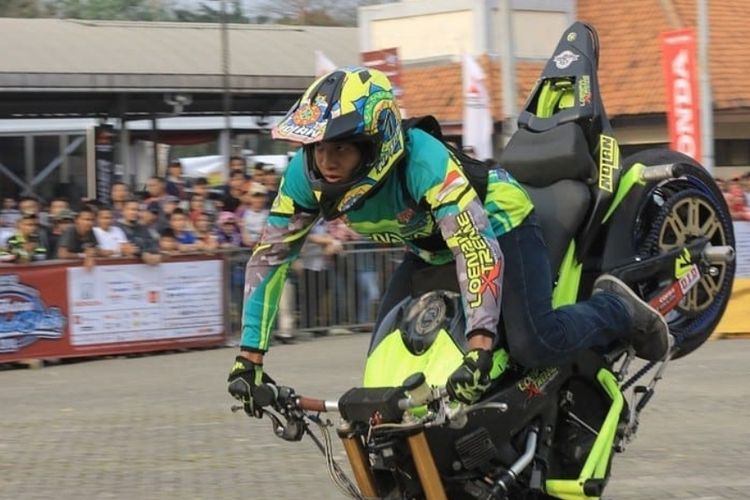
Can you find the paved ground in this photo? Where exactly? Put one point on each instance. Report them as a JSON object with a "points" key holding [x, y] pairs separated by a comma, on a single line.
{"points": [[159, 427]]}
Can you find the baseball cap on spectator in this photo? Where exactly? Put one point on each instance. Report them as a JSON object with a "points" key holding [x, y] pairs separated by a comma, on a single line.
{"points": [[226, 217], [257, 188], [171, 198], [64, 214]]}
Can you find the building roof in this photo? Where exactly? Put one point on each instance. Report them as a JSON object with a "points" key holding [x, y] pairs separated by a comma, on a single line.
{"points": [[436, 90], [109, 54], [630, 69], [64, 67]]}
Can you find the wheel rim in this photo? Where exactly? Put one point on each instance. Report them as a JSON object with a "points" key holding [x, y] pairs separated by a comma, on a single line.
{"points": [[690, 218]]}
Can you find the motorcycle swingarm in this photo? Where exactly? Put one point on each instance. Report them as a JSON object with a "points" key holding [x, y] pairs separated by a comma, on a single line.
{"points": [[658, 265]]}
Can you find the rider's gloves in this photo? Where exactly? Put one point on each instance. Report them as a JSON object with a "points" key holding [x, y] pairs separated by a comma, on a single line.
{"points": [[472, 378], [243, 378]]}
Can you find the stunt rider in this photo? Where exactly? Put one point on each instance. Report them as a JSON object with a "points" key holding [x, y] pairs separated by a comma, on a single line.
{"points": [[358, 164]]}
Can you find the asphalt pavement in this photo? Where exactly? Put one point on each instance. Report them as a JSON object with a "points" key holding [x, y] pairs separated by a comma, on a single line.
{"points": [[159, 426]]}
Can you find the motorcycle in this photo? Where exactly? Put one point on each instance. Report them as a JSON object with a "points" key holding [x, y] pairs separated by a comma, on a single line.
{"points": [[656, 220]]}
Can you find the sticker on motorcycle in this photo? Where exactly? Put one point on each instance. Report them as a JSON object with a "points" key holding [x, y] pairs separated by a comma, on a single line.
{"points": [[565, 59], [609, 161]]}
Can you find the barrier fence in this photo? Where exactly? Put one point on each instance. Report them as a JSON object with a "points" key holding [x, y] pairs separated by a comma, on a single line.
{"points": [[322, 292]]}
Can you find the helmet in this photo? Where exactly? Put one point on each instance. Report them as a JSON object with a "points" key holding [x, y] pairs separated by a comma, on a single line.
{"points": [[348, 104]]}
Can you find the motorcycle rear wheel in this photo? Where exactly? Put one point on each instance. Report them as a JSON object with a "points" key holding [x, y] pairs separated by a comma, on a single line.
{"points": [[673, 213]]}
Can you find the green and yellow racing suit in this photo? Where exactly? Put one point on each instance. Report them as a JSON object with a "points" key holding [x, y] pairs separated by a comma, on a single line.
{"points": [[430, 197]]}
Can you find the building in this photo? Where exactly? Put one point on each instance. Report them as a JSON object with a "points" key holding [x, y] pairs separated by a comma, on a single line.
{"points": [[432, 34]]}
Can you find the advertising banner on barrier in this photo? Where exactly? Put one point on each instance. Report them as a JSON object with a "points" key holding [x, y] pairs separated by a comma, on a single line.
{"points": [[55, 311], [136, 302], [742, 241]]}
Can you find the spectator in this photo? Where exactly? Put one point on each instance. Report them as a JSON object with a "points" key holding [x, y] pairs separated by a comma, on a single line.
{"points": [[228, 234], [56, 206], [738, 207], [78, 241], [169, 205], [168, 242], [24, 246], [140, 243], [30, 205], [60, 222], [197, 208], [150, 219], [155, 189], [9, 214], [200, 187], [254, 214], [233, 191], [178, 223], [176, 184], [367, 276], [270, 179], [109, 237], [204, 233], [237, 163], [120, 193]]}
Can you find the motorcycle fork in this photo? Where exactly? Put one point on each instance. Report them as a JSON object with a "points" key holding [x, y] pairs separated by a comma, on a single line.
{"points": [[355, 452], [426, 468]]}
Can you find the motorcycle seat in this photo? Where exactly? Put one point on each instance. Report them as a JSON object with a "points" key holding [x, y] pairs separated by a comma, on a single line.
{"points": [[540, 159]]}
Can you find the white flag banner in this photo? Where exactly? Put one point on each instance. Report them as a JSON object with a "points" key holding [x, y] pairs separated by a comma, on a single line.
{"points": [[323, 65], [477, 125]]}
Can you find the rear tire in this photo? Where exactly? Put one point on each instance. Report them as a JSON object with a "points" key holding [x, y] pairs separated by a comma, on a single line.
{"points": [[674, 212]]}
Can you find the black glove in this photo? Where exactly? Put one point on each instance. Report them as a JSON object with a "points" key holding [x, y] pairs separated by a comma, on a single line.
{"points": [[472, 378], [244, 377]]}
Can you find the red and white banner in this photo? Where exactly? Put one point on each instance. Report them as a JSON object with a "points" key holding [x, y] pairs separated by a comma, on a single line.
{"points": [[680, 66], [387, 61], [477, 125]]}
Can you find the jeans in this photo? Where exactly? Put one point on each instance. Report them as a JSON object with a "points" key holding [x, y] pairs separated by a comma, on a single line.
{"points": [[536, 334]]}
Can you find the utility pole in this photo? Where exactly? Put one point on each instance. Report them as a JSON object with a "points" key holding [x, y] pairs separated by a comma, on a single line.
{"points": [[226, 140], [508, 70], [704, 81]]}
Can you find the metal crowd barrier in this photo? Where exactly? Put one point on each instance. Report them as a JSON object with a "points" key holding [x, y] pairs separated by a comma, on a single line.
{"points": [[344, 294]]}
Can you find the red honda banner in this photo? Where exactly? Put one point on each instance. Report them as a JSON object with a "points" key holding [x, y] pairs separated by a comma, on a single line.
{"points": [[387, 61], [680, 77]]}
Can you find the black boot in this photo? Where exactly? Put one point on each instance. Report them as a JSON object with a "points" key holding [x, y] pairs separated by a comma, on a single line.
{"points": [[650, 332]]}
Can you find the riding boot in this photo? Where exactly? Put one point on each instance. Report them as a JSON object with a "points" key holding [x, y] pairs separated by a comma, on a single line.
{"points": [[650, 332]]}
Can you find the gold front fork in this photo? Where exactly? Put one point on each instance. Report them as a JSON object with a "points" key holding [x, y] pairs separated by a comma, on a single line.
{"points": [[428, 473], [355, 452]]}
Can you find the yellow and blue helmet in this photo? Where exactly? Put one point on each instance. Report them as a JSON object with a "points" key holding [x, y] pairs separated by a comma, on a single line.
{"points": [[352, 104]]}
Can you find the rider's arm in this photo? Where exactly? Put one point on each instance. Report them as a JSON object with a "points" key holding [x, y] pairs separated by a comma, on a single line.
{"points": [[293, 214], [438, 180]]}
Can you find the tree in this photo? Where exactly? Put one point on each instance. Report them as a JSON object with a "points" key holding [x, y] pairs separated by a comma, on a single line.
{"points": [[211, 13], [134, 10], [19, 8]]}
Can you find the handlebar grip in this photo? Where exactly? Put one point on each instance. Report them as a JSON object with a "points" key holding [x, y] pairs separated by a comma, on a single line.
{"points": [[311, 404]]}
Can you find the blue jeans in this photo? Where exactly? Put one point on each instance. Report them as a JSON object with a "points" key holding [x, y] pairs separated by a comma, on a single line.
{"points": [[536, 334]]}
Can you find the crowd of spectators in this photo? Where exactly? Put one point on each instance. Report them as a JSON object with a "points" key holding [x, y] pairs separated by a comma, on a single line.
{"points": [[171, 215], [737, 193]]}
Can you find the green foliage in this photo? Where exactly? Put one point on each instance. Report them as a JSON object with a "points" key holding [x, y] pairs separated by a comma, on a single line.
{"points": [[133, 10], [19, 8]]}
